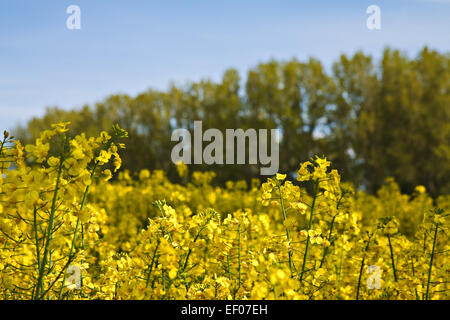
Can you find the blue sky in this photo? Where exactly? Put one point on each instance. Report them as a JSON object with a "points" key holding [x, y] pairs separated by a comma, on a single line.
{"points": [[128, 46]]}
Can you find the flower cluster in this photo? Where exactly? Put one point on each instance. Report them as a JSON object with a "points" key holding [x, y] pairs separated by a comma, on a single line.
{"points": [[46, 224], [68, 232]]}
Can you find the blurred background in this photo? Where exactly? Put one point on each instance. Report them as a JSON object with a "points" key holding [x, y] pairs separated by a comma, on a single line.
{"points": [[375, 102]]}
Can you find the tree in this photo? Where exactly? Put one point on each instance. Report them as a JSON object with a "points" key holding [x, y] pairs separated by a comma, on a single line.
{"points": [[373, 120]]}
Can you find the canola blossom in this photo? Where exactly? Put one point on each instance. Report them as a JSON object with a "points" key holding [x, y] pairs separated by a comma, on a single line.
{"points": [[67, 231]]}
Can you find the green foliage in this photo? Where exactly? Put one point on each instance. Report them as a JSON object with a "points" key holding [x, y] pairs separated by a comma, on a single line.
{"points": [[374, 120]]}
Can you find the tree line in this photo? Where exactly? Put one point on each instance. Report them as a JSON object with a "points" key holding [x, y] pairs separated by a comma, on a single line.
{"points": [[372, 119]]}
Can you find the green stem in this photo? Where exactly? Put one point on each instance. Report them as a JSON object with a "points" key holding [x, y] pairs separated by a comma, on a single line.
{"points": [[325, 250], [1, 150], [392, 257], [50, 230], [77, 226], [414, 275], [228, 266], [239, 263], [190, 250], [150, 268], [163, 278], [38, 256], [239, 256], [431, 262], [316, 187], [361, 268], [287, 230], [340, 270]]}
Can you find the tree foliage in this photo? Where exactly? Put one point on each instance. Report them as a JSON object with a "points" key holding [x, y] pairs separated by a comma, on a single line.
{"points": [[374, 120]]}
